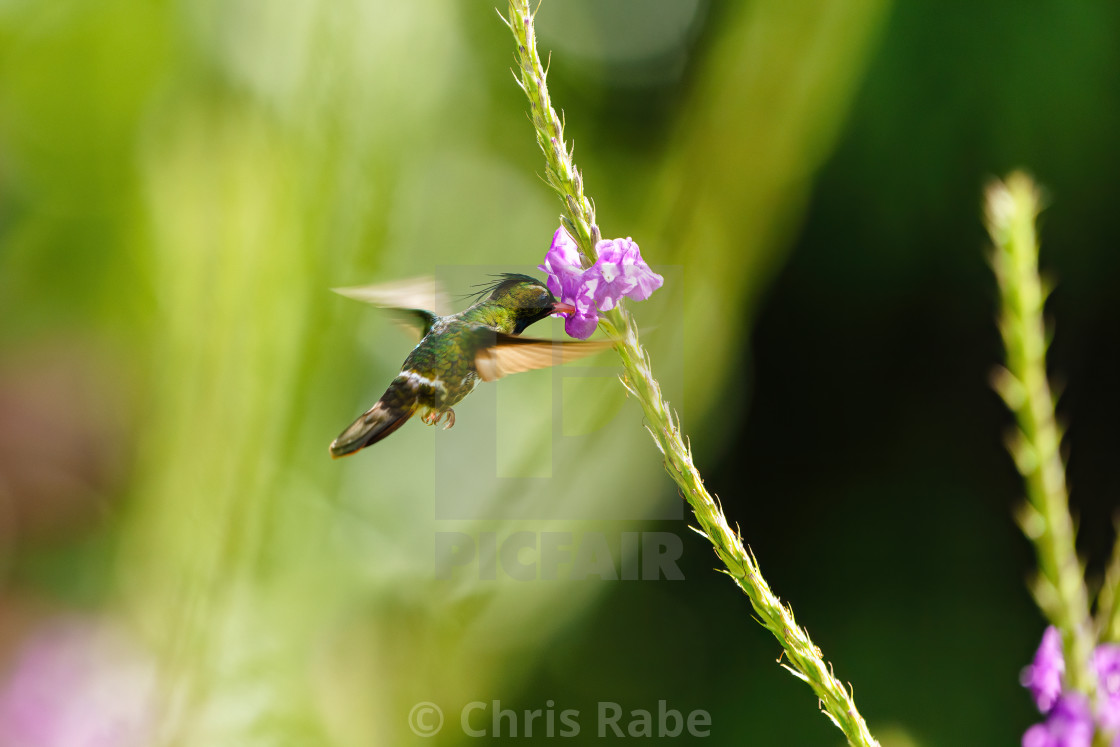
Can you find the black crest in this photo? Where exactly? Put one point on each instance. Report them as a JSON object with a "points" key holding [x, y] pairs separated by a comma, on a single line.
{"points": [[500, 285]]}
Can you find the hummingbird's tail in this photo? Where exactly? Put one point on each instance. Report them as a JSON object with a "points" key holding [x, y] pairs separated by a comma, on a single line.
{"points": [[390, 413]]}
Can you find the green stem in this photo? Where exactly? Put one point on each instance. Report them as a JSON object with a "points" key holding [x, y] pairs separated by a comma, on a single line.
{"points": [[1108, 604], [805, 660], [1012, 207]]}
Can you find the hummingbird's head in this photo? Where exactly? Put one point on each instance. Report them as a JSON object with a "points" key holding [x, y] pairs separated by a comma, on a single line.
{"points": [[526, 297]]}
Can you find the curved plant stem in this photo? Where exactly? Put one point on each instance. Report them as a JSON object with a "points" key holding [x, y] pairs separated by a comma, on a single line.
{"points": [[1011, 209], [805, 660]]}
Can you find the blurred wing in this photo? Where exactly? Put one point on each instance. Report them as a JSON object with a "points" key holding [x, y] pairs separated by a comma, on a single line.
{"points": [[411, 293], [408, 299], [511, 354]]}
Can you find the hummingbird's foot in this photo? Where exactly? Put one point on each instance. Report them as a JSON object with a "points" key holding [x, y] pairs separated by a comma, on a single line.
{"points": [[433, 417]]}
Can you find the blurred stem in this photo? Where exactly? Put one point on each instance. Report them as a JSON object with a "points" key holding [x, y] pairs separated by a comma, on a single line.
{"points": [[805, 659], [1108, 605], [1012, 207]]}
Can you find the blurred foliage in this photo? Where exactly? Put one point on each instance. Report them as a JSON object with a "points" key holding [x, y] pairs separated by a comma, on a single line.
{"points": [[180, 184]]}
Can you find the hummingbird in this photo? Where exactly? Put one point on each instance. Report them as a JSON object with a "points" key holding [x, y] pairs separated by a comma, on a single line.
{"points": [[456, 351]]}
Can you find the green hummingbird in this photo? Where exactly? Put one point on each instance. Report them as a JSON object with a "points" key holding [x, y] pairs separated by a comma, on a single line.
{"points": [[455, 351]]}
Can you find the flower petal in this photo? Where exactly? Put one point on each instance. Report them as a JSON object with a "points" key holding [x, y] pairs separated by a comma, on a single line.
{"points": [[562, 264], [623, 273], [564, 246], [1044, 676], [580, 325], [1106, 665], [1070, 724]]}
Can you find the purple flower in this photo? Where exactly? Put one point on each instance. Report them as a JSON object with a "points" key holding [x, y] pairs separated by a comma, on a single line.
{"points": [[619, 271], [566, 282], [585, 319], [562, 264], [1044, 676], [1106, 665], [1070, 724], [77, 683]]}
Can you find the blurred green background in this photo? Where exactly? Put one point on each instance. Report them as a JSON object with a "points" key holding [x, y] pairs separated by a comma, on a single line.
{"points": [[182, 182]]}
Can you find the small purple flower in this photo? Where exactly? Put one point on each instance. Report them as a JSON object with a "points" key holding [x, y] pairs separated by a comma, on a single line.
{"points": [[561, 262], [619, 271], [584, 320], [567, 281], [78, 683], [1106, 665], [1044, 676], [1070, 724]]}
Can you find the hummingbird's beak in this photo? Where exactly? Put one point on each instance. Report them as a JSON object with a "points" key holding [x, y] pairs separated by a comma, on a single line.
{"points": [[563, 308]]}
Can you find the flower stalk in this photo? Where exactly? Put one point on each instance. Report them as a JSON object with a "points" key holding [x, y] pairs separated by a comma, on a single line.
{"points": [[804, 658], [1108, 602], [1011, 209]]}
